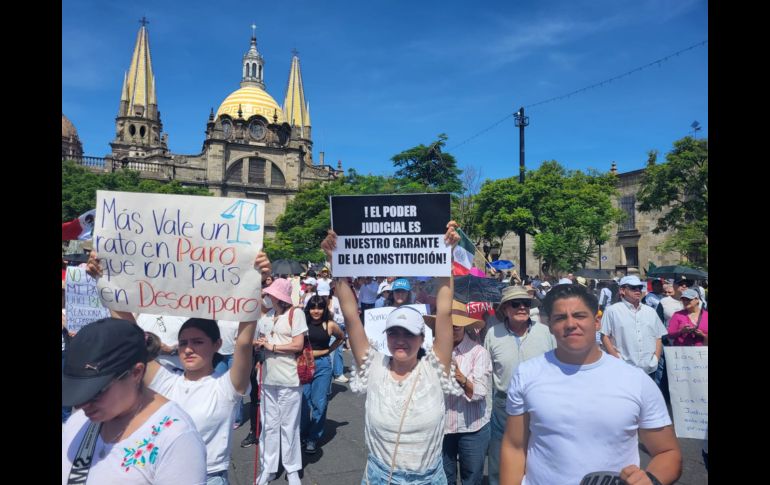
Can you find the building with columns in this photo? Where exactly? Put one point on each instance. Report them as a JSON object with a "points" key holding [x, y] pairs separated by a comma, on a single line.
{"points": [[254, 148]]}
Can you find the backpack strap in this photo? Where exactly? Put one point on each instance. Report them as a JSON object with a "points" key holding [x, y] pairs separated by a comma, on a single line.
{"points": [[81, 465]]}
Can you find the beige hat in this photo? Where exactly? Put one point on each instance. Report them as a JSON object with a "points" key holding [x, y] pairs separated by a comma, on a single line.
{"points": [[515, 293], [581, 281], [460, 317]]}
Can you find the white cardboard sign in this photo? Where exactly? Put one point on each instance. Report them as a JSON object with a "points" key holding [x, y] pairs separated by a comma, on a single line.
{"points": [[688, 385], [374, 327]]}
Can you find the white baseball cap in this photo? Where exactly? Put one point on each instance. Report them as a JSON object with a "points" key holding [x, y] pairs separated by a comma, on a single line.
{"points": [[310, 281], [408, 318], [631, 280], [384, 286]]}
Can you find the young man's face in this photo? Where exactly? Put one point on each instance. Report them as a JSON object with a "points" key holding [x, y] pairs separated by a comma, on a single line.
{"points": [[573, 325]]}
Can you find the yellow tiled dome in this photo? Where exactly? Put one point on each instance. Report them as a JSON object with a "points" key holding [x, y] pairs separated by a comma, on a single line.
{"points": [[252, 101]]}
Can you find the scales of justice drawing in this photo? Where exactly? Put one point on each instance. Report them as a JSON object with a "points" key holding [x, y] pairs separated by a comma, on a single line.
{"points": [[249, 223]]}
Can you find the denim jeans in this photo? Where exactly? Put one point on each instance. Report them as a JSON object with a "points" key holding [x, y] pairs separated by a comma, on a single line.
{"points": [[376, 473], [315, 400], [217, 478], [471, 448], [497, 428]]}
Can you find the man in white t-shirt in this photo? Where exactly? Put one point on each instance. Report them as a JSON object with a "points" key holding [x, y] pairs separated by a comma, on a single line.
{"points": [[576, 410]]}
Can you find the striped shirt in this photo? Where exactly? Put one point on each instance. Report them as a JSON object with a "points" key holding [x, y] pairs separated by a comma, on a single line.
{"points": [[468, 414]]}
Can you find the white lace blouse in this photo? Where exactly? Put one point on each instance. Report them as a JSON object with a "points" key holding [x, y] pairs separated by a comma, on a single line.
{"points": [[423, 430]]}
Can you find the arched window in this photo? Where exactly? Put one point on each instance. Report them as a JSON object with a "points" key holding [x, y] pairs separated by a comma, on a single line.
{"points": [[256, 171], [233, 174], [276, 176], [260, 72], [254, 70]]}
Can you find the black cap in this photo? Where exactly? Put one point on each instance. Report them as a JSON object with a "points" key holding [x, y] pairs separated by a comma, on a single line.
{"points": [[100, 351]]}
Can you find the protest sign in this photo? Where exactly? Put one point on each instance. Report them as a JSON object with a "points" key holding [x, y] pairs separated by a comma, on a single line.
{"points": [[391, 235], [374, 326], [688, 385], [179, 255], [81, 299]]}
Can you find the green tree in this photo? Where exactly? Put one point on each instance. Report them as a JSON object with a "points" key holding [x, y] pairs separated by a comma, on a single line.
{"points": [[79, 186], [679, 189], [567, 212], [303, 225], [429, 167]]}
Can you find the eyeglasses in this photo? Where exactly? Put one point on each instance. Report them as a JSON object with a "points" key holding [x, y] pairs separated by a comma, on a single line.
{"points": [[107, 387], [518, 303]]}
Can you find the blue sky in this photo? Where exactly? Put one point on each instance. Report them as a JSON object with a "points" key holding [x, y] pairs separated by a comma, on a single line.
{"points": [[383, 76]]}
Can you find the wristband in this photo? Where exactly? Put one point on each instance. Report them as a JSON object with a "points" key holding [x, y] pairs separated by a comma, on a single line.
{"points": [[273, 348], [653, 478]]}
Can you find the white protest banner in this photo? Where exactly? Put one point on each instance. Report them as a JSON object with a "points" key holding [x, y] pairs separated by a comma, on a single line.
{"points": [[179, 254], [688, 385], [391, 235], [81, 299], [374, 326]]}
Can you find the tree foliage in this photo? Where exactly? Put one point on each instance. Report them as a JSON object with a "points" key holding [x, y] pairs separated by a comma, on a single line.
{"points": [[79, 186], [567, 212], [679, 188], [303, 225], [430, 167]]}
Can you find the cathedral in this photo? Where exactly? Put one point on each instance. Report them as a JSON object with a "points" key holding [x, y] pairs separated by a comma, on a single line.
{"points": [[254, 147]]}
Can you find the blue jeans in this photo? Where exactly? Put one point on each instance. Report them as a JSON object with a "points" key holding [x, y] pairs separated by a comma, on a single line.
{"points": [[497, 428], [337, 366], [223, 366], [314, 401], [471, 449], [377, 474], [217, 478]]}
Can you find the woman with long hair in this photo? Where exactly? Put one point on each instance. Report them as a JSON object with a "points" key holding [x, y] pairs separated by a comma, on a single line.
{"points": [[209, 398], [321, 327], [122, 431], [404, 420]]}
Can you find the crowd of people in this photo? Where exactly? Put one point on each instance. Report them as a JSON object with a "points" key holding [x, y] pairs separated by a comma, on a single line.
{"points": [[516, 387]]}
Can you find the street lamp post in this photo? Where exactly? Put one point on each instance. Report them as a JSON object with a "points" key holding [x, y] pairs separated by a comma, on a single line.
{"points": [[521, 121]]}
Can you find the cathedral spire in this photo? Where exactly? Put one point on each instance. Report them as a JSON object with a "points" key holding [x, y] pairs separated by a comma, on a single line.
{"points": [[253, 64], [138, 97], [295, 108]]}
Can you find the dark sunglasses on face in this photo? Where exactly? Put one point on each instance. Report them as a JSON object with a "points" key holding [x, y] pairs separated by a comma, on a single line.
{"points": [[518, 303]]}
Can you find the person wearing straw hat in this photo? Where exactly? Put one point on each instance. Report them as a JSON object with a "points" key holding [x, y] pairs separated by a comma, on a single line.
{"points": [[510, 342], [466, 424]]}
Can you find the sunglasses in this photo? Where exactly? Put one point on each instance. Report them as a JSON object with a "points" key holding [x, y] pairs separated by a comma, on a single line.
{"points": [[635, 288], [518, 303], [106, 388]]}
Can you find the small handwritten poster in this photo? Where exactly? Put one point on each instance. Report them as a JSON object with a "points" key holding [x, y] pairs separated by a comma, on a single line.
{"points": [[688, 385]]}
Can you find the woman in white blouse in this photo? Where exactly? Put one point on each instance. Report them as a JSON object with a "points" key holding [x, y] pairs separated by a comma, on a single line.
{"points": [[404, 421]]}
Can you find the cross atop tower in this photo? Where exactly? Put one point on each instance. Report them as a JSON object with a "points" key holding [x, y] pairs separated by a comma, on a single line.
{"points": [[253, 30], [144, 21], [295, 52]]}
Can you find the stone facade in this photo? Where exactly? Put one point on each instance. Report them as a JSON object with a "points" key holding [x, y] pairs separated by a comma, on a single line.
{"points": [[71, 147], [250, 150]]}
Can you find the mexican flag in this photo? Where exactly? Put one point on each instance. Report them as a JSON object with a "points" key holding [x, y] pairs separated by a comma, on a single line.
{"points": [[462, 255], [80, 228]]}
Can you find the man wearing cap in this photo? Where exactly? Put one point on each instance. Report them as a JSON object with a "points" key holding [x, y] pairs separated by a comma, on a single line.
{"points": [[310, 289], [652, 299], [632, 331], [466, 424], [510, 342]]}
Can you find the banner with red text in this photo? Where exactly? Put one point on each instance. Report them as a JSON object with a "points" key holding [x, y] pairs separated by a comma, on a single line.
{"points": [[179, 254]]}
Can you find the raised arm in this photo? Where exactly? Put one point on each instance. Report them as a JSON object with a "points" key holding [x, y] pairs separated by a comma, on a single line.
{"points": [[442, 337], [242, 354], [359, 344]]}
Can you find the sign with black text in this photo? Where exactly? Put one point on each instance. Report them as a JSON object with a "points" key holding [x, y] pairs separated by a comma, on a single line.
{"points": [[391, 235]]}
